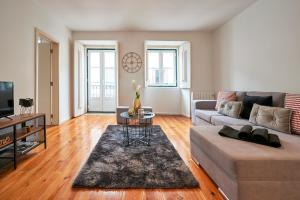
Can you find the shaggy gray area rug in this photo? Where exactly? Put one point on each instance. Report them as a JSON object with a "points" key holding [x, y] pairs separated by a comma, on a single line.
{"points": [[113, 165]]}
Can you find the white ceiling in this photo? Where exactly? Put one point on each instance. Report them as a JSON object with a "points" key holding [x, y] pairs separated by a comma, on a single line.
{"points": [[98, 42], [165, 43], [144, 15]]}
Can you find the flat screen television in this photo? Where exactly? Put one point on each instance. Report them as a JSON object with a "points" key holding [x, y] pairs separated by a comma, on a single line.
{"points": [[6, 99]]}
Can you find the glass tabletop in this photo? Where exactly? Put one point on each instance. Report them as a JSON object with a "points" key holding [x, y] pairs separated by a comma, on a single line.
{"points": [[147, 115]]}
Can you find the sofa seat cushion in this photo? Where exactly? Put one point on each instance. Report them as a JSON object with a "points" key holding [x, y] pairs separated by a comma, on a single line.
{"points": [[249, 161], [206, 114], [225, 120]]}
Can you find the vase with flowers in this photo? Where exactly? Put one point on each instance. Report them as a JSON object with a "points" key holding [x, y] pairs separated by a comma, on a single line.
{"points": [[137, 100]]}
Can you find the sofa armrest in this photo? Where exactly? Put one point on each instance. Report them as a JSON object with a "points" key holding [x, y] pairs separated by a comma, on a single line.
{"points": [[202, 105]]}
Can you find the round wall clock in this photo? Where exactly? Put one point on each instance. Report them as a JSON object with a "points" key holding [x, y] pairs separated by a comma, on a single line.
{"points": [[132, 62]]}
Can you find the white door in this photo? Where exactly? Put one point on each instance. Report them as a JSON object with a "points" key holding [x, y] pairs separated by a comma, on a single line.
{"points": [[101, 80], [44, 80]]}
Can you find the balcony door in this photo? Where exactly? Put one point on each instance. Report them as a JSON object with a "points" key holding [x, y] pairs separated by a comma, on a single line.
{"points": [[101, 80]]}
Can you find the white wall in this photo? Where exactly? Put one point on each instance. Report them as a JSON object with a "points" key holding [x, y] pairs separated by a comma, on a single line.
{"points": [[79, 79], [163, 100], [185, 102], [260, 48], [17, 21]]}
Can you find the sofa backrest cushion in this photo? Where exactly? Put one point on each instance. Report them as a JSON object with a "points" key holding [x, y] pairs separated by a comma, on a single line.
{"points": [[240, 95], [249, 101], [277, 97], [275, 118], [292, 101]]}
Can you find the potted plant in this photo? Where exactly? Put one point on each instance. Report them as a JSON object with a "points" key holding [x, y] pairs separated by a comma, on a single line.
{"points": [[137, 100]]}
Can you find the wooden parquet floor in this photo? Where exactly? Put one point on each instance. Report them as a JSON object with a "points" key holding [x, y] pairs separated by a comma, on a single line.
{"points": [[48, 174]]}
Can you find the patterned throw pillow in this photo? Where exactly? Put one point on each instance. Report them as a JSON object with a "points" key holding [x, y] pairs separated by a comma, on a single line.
{"points": [[292, 101], [231, 108], [225, 96], [275, 118]]}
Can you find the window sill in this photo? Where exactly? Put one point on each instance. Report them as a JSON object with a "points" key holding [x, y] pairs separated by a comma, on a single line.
{"points": [[154, 86]]}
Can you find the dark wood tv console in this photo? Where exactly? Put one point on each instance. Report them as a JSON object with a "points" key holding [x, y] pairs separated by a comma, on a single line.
{"points": [[19, 134]]}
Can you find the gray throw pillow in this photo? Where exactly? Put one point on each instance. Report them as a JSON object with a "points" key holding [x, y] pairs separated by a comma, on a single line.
{"points": [[231, 108], [271, 117]]}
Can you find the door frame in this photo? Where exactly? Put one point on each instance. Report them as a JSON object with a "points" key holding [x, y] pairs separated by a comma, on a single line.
{"points": [[87, 76], [54, 65]]}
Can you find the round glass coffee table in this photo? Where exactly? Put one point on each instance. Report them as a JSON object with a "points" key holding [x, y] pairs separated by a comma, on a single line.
{"points": [[137, 129]]}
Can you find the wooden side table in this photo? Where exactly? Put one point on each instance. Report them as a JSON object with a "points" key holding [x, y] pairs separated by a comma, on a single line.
{"points": [[17, 130]]}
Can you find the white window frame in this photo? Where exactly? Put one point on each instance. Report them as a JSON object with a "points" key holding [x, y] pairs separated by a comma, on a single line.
{"points": [[161, 50]]}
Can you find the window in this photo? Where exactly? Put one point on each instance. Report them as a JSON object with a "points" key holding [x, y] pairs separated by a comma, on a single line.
{"points": [[161, 67]]}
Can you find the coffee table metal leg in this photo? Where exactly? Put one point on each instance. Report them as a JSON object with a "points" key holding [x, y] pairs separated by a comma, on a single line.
{"points": [[148, 126], [137, 131], [127, 133], [150, 133], [123, 127], [151, 130]]}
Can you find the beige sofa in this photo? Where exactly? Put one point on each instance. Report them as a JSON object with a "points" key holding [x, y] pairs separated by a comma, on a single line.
{"points": [[243, 170], [204, 113]]}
